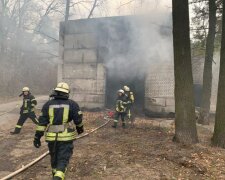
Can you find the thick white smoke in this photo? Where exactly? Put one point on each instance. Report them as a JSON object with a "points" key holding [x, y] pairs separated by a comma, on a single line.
{"points": [[142, 42]]}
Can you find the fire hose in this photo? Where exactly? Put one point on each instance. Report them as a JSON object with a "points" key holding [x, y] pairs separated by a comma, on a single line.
{"points": [[46, 153]]}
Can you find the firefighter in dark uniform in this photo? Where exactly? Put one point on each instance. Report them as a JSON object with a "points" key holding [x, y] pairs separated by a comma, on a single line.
{"points": [[26, 110], [60, 117], [121, 110], [130, 99]]}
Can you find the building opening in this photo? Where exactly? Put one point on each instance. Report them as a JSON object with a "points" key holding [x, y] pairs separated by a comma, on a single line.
{"points": [[114, 82]]}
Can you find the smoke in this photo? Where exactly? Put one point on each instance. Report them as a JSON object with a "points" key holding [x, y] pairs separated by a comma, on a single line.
{"points": [[23, 60], [136, 43], [131, 47]]}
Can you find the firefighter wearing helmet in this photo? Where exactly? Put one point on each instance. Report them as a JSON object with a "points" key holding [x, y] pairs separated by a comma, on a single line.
{"points": [[26, 110], [130, 99], [60, 118], [121, 109]]}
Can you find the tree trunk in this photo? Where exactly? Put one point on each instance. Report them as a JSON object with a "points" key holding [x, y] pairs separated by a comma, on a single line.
{"points": [[185, 123], [219, 129], [207, 75], [67, 13]]}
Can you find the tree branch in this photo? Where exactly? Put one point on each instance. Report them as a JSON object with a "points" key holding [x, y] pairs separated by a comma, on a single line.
{"points": [[92, 9], [48, 36]]}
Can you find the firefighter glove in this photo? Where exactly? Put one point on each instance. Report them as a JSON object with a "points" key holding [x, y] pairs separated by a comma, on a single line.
{"points": [[37, 142], [80, 129]]}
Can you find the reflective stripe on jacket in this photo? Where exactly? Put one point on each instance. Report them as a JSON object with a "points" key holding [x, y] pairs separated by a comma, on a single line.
{"points": [[58, 112], [120, 107], [121, 104], [29, 103]]}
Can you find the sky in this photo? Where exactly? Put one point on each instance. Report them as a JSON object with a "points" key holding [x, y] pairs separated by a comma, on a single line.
{"points": [[126, 7]]}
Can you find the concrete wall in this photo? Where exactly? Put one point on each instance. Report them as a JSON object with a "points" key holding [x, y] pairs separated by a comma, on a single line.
{"points": [[198, 68], [80, 67], [159, 89]]}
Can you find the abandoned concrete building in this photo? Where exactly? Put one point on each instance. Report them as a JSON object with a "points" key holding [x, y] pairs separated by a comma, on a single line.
{"points": [[99, 56]]}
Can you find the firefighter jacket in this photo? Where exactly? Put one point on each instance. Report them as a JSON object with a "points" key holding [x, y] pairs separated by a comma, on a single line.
{"points": [[121, 104], [29, 103], [58, 118]]}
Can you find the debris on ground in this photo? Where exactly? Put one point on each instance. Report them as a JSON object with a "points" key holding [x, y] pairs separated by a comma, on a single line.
{"points": [[145, 151]]}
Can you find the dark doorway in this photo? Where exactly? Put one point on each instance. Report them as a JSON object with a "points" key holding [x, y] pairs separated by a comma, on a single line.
{"points": [[136, 84]]}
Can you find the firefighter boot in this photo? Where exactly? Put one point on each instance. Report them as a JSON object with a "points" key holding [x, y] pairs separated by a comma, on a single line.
{"points": [[114, 125], [16, 131], [59, 175], [124, 125], [57, 178], [53, 174]]}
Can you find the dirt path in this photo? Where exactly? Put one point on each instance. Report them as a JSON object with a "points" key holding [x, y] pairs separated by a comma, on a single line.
{"points": [[8, 120], [13, 149]]}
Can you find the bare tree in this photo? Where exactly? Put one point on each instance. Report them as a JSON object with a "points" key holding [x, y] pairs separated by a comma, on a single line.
{"points": [[92, 9], [67, 10], [20, 60], [219, 129], [207, 75], [185, 125]]}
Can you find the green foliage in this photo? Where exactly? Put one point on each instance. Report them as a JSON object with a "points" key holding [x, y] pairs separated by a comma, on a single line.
{"points": [[199, 25]]}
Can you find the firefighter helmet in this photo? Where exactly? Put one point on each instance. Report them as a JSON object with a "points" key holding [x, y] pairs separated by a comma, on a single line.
{"points": [[26, 89], [126, 88], [63, 87], [121, 91]]}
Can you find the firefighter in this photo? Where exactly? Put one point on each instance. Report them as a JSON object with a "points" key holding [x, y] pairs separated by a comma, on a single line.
{"points": [[130, 99], [58, 117], [26, 110], [120, 109]]}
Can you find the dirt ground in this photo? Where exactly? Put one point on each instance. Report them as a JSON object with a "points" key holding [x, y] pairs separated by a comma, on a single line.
{"points": [[141, 152]]}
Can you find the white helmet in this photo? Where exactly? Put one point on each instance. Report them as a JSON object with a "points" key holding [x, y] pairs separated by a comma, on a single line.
{"points": [[121, 91], [126, 88], [63, 87], [25, 89]]}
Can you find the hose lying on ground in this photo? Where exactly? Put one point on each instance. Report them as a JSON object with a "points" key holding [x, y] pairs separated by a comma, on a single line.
{"points": [[46, 153]]}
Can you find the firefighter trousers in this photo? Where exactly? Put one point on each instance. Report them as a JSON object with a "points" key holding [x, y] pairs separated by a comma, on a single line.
{"points": [[60, 153], [23, 118], [130, 112], [119, 115]]}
